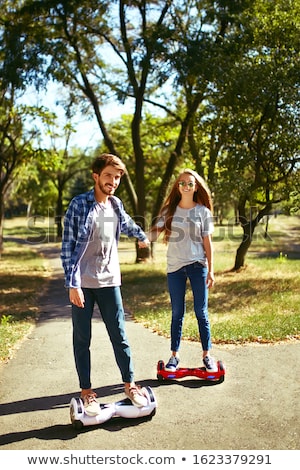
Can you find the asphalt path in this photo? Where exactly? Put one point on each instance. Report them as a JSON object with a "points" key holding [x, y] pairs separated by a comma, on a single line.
{"points": [[256, 407]]}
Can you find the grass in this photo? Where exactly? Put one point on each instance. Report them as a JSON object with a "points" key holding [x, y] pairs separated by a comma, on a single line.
{"points": [[22, 277], [261, 303], [258, 304]]}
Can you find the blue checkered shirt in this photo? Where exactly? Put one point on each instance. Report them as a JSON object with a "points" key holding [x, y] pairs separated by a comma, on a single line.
{"points": [[77, 230]]}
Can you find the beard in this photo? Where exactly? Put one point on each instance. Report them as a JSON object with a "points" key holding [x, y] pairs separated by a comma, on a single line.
{"points": [[106, 189]]}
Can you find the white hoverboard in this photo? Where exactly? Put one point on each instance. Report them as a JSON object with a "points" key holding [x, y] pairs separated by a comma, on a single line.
{"points": [[123, 408]]}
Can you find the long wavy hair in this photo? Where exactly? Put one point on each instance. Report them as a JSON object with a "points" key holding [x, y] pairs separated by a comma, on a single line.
{"points": [[202, 196]]}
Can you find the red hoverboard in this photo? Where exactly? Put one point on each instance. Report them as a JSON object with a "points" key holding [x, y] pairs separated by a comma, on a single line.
{"points": [[199, 372]]}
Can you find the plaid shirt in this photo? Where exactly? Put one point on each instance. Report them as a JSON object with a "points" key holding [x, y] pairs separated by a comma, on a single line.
{"points": [[77, 231]]}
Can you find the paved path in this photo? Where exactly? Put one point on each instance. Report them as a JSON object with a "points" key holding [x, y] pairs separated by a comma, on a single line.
{"points": [[256, 407]]}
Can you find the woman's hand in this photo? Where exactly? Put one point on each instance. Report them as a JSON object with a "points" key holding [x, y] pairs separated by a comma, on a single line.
{"points": [[210, 280]]}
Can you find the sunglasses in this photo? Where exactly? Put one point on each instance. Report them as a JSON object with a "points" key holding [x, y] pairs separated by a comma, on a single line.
{"points": [[183, 184]]}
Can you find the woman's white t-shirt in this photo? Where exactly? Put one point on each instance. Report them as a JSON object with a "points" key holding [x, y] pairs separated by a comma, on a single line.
{"points": [[188, 228]]}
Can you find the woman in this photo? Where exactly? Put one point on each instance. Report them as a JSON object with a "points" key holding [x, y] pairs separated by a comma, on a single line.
{"points": [[187, 222]]}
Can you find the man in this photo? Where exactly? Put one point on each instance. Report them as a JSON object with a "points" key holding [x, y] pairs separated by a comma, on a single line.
{"points": [[92, 227]]}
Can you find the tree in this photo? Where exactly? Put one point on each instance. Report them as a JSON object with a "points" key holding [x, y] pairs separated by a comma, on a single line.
{"points": [[159, 136], [262, 101], [145, 39], [16, 140], [61, 166], [227, 69], [15, 149]]}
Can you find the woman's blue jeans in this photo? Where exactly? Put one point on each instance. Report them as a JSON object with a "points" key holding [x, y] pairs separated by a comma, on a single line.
{"points": [[110, 304], [196, 273]]}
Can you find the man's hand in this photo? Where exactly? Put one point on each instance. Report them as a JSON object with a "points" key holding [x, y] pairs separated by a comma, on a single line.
{"points": [[144, 243], [76, 297]]}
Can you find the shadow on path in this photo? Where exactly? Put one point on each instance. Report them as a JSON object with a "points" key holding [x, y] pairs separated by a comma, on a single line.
{"points": [[65, 432]]}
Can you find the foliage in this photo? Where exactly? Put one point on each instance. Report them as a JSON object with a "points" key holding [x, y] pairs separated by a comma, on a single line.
{"points": [[15, 149], [159, 136], [224, 74]]}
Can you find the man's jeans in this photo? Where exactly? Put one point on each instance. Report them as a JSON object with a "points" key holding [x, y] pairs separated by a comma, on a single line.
{"points": [[110, 304], [177, 280]]}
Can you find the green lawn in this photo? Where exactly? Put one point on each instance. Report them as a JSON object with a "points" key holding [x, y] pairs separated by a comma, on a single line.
{"points": [[22, 277], [260, 303]]}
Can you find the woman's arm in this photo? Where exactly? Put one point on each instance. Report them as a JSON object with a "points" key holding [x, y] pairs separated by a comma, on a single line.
{"points": [[208, 248], [154, 233]]}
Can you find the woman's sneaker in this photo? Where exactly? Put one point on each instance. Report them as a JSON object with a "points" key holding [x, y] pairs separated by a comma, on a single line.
{"points": [[136, 396], [90, 404], [210, 364], [172, 364]]}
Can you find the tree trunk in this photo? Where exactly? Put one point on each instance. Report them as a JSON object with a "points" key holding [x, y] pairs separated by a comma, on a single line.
{"points": [[142, 254], [1, 224], [242, 250], [248, 230], [59, 212]]}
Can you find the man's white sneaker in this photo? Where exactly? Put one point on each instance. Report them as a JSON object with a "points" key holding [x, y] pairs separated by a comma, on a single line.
{"points": [[91, 406], [136, 396]]}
